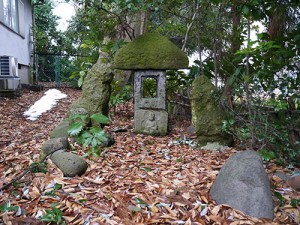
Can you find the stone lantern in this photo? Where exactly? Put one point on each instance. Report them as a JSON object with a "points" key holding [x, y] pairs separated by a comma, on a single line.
{"points": [[149, 56]]}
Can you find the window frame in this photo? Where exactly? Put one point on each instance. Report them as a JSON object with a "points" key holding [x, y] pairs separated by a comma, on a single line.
{"points": [[16, 16]]}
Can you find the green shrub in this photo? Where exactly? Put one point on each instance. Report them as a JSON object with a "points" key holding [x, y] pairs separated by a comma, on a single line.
{"points": [[91, 137], [54, 215]]}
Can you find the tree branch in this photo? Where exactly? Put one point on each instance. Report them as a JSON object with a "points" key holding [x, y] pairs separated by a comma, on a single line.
{"points": [[125, 25], [5, 186], [189, 28]]}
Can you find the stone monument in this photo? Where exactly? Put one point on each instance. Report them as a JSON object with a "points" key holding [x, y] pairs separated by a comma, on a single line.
{"points": [[149, 56], [207, 115], [96, 89]]}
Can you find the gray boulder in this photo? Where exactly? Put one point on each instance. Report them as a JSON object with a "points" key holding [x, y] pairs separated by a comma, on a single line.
{"points": [[54, 144], [70, 164], [207, 115], [243, 184]]}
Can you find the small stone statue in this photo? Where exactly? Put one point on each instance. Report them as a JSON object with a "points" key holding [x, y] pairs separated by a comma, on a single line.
{"points": [[150, 124]]}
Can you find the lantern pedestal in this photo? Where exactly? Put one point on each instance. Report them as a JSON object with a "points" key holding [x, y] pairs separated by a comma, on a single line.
{"points": [[153, 122]]}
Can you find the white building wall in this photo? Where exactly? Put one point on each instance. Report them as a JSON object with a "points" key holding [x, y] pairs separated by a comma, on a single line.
{"points": [[17, 45]]}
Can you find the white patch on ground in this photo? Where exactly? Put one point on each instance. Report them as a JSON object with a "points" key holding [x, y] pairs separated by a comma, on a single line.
{"points": [[44, 104]]}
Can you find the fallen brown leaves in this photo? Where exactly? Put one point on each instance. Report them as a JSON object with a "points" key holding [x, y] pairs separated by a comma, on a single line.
{"points": [[140, 180]]}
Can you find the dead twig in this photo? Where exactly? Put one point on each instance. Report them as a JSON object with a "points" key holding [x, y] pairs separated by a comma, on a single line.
{"points": [[5, 186]]}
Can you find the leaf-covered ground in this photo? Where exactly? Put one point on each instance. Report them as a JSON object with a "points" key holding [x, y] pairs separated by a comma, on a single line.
{"points": [[139, 180]]}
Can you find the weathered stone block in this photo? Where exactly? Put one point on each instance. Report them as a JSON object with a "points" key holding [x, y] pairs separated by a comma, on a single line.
{"points": [[243, 184], [54, 144], [70, 164], [151, 122], [207, 116], [158, 102]]}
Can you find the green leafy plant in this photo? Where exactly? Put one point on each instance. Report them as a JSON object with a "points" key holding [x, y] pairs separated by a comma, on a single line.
{"points": [[149, 87], [133, 208], [54, 215], [80, 75], [179, 160], [114, 46], [228, 126], [37, 167], [120, 94], [140, 205], [177, 89], [92, 137], [146, 169], [16, 184], [280, 198], [141, 202], [266, 155], [82, 200], [6, 207], [295, 202], [55, 188]]}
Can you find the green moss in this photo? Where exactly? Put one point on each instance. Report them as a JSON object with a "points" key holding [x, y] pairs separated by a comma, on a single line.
{"points": [[150, 51], [207, 116]]}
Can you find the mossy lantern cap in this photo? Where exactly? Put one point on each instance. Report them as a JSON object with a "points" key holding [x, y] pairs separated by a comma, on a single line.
{"points": [[150, 51]]}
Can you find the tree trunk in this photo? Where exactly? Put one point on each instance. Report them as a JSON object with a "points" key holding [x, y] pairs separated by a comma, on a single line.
{"points": [[235, 45]]}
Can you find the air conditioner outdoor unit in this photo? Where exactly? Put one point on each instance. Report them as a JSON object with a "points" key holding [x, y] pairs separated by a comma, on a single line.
{"points": [[8, 66]]}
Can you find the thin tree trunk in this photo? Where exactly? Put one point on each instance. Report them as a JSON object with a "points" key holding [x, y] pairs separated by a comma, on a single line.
{"points": [[200, 70], [215, 43], [248, 97], [235, 45], [143, 24], [189, 26], [215, 63]]}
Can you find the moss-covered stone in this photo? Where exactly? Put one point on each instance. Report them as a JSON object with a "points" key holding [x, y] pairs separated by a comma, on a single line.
{"points": [[82, 112], [70, 164], [96, 89], [150, 51], [207, 116], [61, 130]]}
